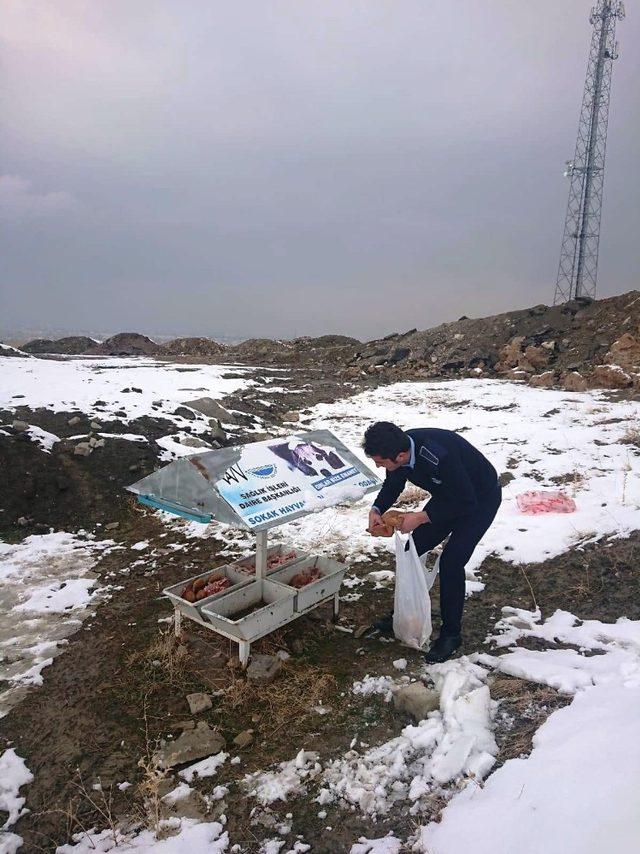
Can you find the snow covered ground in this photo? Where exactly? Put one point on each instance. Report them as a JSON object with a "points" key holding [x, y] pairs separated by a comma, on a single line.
{"points": [[545, 439], [101, 388], [577, 791], [47, 589]]}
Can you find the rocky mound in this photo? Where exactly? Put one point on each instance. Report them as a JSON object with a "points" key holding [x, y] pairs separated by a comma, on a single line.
{"points": [[193, 347], [6, 350], [546, 345], [126, 344], [73, 345], [263, 350], [324, 341]]}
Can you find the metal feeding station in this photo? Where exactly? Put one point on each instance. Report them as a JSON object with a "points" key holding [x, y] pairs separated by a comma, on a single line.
{"points": [[257, 487]]}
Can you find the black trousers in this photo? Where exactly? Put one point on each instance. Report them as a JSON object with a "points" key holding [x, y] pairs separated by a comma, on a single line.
{"points": [[464, 535]]}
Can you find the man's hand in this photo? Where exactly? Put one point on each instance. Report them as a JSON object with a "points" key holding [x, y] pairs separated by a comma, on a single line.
{"points": [[412, 521], [375, 519]]}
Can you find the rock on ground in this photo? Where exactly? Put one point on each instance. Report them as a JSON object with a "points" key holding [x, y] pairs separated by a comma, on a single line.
{"points": [[191, 745], [416, 700]]}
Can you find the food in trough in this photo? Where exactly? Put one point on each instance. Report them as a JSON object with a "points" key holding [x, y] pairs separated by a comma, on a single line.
{"points": [[201, 588], [306, 576], [273, 561]]}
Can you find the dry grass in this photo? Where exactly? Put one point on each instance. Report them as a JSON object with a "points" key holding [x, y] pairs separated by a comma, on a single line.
{"points": [[286, 702], [165, 654], [150, 798], [631, 437], [529, 705]]}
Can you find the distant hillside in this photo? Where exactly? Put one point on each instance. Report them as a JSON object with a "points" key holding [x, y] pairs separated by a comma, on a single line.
{"points": [[576, 345]]}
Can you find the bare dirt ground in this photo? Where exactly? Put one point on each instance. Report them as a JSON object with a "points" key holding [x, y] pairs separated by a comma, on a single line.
{"points": [[120, 686]]}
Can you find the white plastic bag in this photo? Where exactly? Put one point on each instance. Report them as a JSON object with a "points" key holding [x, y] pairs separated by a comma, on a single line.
{"points": [[412, 604]]}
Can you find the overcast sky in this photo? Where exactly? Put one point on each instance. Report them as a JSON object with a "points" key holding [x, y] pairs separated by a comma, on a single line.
{"points": [[288, 167]]}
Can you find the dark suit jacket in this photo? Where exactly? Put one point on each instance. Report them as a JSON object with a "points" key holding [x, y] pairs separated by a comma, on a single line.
{"points": [[455, 473]]}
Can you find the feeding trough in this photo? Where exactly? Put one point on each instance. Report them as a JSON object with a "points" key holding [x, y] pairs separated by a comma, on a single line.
{"points": [[257, 487]]}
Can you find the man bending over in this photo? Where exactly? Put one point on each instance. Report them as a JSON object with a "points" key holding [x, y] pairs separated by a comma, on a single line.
{"points": [[465, 497]]}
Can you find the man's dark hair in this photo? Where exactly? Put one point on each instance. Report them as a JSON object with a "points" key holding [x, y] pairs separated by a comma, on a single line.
{"points": [[385, 440]]}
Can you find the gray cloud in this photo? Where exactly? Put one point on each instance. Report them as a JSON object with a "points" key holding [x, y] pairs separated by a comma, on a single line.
{"points": [[281, 168]]}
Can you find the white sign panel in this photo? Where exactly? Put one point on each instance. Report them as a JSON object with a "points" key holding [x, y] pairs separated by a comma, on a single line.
{"points": [[279, 478]]}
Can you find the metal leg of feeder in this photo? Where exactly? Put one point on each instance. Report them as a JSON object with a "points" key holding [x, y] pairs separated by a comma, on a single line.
{"points": [[261, 555], [244, 649], [336, 606], [177, 622]]}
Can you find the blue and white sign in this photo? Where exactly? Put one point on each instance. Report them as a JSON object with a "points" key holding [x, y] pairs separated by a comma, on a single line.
{"points": [[281, 478]]}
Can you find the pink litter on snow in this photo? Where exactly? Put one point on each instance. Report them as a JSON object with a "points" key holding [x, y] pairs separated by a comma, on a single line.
{"points": [[534, 503]]}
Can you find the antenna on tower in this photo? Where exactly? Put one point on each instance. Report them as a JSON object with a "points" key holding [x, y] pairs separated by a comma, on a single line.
{"points": [[578, 268]]}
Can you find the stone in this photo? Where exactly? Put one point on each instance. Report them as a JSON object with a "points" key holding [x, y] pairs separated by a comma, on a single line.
{"points": [[610, 376], [82, 449], [184, 725], [194, 442], [20, 426], [506, 477], [625, 353], [100, 443], [359, 631], [198, 703], [93, 441], [545, 380], [73, 421], [292, 415], [537, 357], [416, 700], [23, 521], [244, 739], [111, 526], [573, 381], [211, 408], [217, 433], [190, 746], [183, 412], [263, 669], [511, 353], [95, 425], [516, 374]]}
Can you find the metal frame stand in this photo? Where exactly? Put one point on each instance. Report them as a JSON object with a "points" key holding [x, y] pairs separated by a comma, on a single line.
{"points": [[244, 646]]}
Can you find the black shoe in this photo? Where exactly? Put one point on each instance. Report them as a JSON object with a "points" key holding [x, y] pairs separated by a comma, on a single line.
{"points": [[443, 649], [385, 624]]}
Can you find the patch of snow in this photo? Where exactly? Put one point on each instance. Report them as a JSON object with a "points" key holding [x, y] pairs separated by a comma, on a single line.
{"points": [[194, 836], [577, 791], [181, 791], [43, 438], [385, 845], [205, 768], [452, 744], [13, 775], [288, 779], [46, 589], [370, 685]]}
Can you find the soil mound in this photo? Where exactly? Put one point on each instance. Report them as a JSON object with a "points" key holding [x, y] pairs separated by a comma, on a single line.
{"points": [[598, 340], [6, 350], [73, 345], [193, 347], [126, 344]]}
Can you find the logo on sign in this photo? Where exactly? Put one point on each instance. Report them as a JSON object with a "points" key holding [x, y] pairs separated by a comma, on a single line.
{"points": [[265, 471]]}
